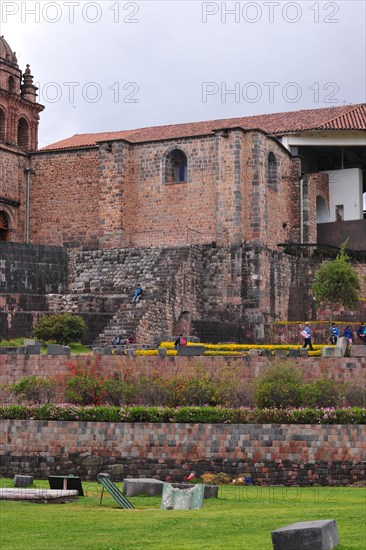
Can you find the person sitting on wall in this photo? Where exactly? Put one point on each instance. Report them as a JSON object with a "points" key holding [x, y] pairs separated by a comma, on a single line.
{"points": [[348, 333], [137, 294], [334, 334], [361, 333], [180, 341], [117, 340], [131, 339]]}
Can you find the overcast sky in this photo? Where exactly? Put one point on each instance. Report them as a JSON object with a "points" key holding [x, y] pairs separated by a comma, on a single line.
{"points": [[115, 65]]}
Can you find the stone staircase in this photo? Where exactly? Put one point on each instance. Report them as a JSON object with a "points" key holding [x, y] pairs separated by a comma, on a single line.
{"points": [[101, 285]]}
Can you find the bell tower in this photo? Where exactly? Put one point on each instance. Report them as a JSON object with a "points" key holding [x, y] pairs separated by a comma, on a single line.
{"points": [[19, 117], [19, 110]]}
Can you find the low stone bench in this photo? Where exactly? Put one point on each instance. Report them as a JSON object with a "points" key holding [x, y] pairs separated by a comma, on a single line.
{"points": [[280, 353], [190, 351], [304, 535], [133, 487], [22, 480], [330, 351]]}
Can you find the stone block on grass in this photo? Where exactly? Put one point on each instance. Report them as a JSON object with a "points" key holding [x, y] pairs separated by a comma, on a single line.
{"points": [[304, 352], [254, 352], [306, 535], [57, 349], [294, 353], [22, 480], [133, 487]]}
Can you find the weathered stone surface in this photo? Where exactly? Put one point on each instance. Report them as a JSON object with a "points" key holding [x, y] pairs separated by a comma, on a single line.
{"points": [[182, 499], [358, 351], [306, 535], [330, 351], [280, 353], [294, 353], [142, 486], [34, 349], [344, 345], [190, 351], [23, 480], [304, 352], [57, 349]]}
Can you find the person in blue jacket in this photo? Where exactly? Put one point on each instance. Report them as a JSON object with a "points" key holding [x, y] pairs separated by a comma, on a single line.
{"points": [[334, 334], [348, 333], [137, 294], [361, 333]]}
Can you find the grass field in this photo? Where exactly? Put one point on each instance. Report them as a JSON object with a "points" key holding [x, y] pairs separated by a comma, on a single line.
{"points": [[241, 518]]}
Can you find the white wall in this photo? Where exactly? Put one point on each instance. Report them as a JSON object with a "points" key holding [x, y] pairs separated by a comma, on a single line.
{"points": [[345, 188]]}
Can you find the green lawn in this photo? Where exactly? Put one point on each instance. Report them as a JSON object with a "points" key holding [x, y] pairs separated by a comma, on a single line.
{"points": [[241, 518]]}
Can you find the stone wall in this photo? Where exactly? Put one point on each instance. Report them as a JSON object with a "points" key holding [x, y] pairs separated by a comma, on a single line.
{"points": [[65, 198], [27, 274], [341, 369], [272, 454]]}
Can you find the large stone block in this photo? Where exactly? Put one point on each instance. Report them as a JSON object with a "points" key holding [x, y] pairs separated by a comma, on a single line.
{"points": [[57, 349], [33, 349], [330, 351], [344, 345], [190, 351], [143, 486], [306, 535], [22, 480], [358, 351]]}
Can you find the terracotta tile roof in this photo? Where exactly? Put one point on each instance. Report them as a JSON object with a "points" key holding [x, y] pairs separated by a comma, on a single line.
{"points": [[347, 117]]}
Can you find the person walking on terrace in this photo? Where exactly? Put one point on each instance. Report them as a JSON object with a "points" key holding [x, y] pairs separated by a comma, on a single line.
{"points": [[137, 294], [308, 336]]}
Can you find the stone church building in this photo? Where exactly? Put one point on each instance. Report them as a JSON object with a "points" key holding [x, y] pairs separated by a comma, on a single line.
{"points": [[217, 220]]}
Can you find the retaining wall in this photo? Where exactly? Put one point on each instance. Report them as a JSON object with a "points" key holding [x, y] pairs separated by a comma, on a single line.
{"points": [[342, 369], [272, 454]]}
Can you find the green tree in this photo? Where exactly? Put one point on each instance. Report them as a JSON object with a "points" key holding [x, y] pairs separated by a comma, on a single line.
{"points": [[62, 329], [336, 283]]}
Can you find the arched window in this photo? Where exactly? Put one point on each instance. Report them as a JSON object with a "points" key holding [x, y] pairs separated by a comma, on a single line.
{"points": [[272, 171], [322, 211], [2, 125], [175, 167], [4, 226], [23, 133], [11, 85]]}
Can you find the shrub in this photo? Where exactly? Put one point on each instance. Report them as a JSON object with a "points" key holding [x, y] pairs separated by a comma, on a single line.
{"points": [[15, 342], [85, 387], [61, 329], [117, 392], [34, 389], [323, 393], [230, 391], [216, 479], [355, 395], [203, 415], [280, 386]]}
